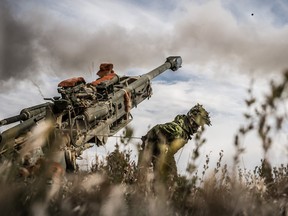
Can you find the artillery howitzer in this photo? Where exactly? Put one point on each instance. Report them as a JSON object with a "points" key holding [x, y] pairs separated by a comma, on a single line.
{"points": [[85, 113]]}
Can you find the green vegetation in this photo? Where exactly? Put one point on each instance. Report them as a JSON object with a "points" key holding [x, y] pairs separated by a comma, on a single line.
{"points": [[115, 187]]}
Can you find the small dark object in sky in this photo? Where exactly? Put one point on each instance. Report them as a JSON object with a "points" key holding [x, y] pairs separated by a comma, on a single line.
{"points": [[252, 14]]}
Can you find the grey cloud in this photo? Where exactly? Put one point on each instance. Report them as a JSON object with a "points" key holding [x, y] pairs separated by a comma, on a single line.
{"points": [[16, 45], [36, 39], [210, 34], [201, 35], [73, 50]]}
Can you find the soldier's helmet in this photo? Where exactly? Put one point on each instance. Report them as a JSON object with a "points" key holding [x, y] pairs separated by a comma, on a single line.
{"points": [[199, 115]]}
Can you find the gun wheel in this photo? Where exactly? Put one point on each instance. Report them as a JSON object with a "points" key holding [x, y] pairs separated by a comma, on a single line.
{"points": [[70, 160]]}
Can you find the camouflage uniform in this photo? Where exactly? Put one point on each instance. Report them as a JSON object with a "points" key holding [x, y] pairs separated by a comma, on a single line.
{"points": [[164, 140]]}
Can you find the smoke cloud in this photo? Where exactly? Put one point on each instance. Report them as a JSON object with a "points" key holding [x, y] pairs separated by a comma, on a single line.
{"points": [[38, 39], [16, 45], [35, 42], [209, 33]]}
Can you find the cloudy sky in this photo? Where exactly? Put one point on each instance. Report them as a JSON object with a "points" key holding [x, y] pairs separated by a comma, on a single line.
{"points": [[223, 46]]}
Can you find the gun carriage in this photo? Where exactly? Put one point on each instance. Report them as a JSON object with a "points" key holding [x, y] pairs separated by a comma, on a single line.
{"points": [[84, 113]]}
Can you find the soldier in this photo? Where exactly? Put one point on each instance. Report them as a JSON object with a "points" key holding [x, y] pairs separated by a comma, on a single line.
{"points": [[164, 140]]}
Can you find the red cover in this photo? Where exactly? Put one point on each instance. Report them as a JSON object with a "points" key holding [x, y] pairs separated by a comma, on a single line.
{"points": [[104, 78], [105, 69], [71, 82]]}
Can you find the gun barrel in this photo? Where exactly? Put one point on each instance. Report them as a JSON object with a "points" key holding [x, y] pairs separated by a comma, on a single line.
{"points": [[20, 128], [172, 62], [26, 114], [12, 119]]}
